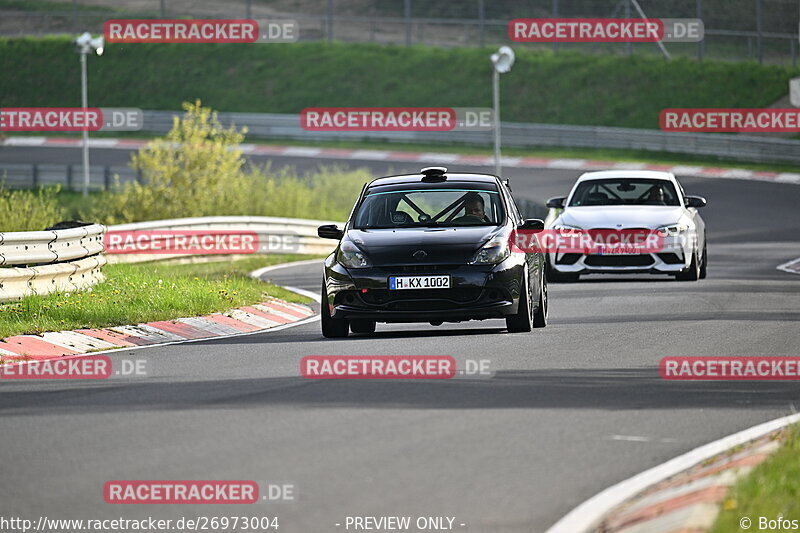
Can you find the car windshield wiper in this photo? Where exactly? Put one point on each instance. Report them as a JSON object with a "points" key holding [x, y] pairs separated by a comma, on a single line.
{"points": [[400, 226]]}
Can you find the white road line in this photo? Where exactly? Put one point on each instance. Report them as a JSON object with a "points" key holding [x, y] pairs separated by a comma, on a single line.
{"points": [[302, 292], [261, 271], [302, 151], [588, 514], [369, 154], [792, 267], [566, 163], [630, 438]]}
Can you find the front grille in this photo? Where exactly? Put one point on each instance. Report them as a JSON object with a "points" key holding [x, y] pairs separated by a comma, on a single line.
{"points": [[419, 268], [638, 260], [384, 296], [670, 258]]}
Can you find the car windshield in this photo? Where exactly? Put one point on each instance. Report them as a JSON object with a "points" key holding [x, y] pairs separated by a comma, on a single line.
{"points": [[624, 191], [429, 208]]}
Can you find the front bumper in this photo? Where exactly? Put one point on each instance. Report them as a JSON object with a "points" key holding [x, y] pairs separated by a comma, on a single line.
{"points": [[476, 292], [675, 255]]}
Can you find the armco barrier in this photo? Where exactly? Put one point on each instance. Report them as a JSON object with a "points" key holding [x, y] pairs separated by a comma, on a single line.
{"points": [[40, 262], [728, 146], [732, 147], [275, 235]]}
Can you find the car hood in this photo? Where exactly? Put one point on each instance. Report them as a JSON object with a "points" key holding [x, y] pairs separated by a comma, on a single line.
{"points": [[441, 245], [619, 217]]}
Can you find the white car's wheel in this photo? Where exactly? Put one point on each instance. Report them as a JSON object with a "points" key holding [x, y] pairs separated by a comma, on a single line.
{"points": [[692, 273]]}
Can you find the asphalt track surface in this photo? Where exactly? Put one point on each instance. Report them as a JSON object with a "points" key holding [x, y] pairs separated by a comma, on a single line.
{"points": [[570, 410]]}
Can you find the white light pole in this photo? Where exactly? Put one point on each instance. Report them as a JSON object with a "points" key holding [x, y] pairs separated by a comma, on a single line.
{"points": [[86, 45], [502, 60]]}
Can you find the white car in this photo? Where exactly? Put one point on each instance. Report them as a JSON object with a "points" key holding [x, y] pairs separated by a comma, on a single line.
{"points": [[649, 202]]}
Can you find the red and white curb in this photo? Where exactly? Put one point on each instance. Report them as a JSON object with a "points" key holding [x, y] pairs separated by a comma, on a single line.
{"points": [[691, 500], [250, 319], [681, 495], [434, 157]]}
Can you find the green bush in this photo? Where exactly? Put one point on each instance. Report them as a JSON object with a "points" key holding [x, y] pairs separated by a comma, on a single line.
{"points": [[29, 210], [198, 169]]}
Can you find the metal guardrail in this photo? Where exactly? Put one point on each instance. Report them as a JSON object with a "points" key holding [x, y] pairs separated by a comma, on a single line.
{"points": [[275, 234], [41, 262], [737, 147], [69, 177], [282, 126], [52, 246]]}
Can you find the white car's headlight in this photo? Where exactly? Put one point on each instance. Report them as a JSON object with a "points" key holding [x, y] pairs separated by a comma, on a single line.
{"points": [[351, 256], [673, 230], [565, 230], [493, 252]]}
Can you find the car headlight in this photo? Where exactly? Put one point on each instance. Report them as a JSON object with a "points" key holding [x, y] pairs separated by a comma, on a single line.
{"points": [[351, 256], [493, 252], [673, 230], [565, 230]]}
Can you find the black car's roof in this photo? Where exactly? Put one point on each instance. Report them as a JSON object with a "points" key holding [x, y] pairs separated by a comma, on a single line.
{"points": [[404, 179]]}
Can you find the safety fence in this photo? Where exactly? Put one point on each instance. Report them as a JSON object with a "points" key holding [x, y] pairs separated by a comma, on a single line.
{"points": [[751, 148], [761, 30], [41, 262]]}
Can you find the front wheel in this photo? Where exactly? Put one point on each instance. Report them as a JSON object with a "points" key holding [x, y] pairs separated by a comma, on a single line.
{"points": [[522, 322], [560, 277], [692, 273], [332, 328], [540, 317], [704, 266]]}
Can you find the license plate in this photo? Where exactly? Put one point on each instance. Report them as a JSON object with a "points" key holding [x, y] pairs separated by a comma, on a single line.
{"points": [[397, 283], [618, 250]]}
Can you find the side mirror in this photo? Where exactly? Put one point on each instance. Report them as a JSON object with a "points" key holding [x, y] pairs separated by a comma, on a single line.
{"points": [[534, 225], [557, 202], [695, 201], [330, 231]]}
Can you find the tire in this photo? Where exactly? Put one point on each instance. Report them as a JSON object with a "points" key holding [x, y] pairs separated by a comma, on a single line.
{"points": [[332, 328], [560, 277], [522, 322], [704, 265], [692, 273], [540, 317], [362, 325]]}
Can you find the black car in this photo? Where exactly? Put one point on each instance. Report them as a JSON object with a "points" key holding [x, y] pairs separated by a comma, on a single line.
{"points": [[432, 247]]}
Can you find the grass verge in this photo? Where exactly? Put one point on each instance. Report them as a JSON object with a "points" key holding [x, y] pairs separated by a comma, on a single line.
{"points": [[771, 490], [146, 292], [564, 88]]}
